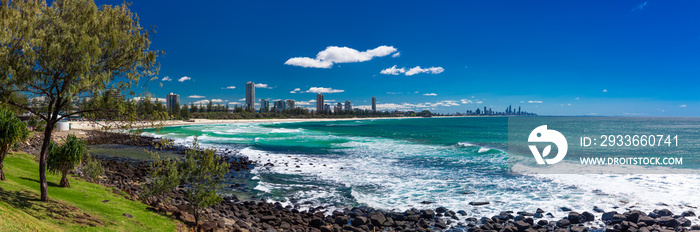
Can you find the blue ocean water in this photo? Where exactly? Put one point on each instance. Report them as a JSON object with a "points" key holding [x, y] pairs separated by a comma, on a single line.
{"points": [[403, 163]]}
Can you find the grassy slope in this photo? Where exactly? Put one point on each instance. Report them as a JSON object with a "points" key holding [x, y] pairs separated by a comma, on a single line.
{"points": [[78, 208]]}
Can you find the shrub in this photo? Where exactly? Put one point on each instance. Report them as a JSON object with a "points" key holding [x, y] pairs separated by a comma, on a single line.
{"points": [[92, 168], [12, 131], [65, 157]]}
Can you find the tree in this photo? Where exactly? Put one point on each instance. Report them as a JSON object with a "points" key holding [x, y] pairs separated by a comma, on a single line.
{"points": [[175, 109], [66, 157], [66, 52], [202, 172], [209, 106], [193, 107], [184, 112], [12, 130]]}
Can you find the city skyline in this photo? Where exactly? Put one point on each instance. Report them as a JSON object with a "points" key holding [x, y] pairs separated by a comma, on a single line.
{"points": [[550, 57]]}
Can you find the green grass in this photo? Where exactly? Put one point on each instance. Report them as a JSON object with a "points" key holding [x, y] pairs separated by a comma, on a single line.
{"points": [[78, 208]]}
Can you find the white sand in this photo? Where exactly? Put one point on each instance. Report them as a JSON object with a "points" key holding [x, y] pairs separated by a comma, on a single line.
{"points": [[85, 125]]}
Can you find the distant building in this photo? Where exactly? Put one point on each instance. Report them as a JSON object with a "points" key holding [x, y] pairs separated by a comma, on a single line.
{"points": [[250, 96], [348, 106], [264, 105], [290, 104], [326, 107], [339, 107], [172, 100], [319, 103], [374, 104], [280, 106]]}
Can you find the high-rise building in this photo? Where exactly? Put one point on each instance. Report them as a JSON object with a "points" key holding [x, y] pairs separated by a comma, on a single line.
{"points": [[339, 107], [290, 104], [264, 105], [374, 104], [280, 106], [250, 96], [326, 107], [171, 100], [319, 103], [348, 106]]}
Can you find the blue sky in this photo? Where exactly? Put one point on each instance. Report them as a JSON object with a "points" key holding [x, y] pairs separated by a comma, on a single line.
{"points": [[635, 58]]}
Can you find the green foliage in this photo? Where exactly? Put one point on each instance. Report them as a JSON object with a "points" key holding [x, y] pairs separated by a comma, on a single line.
{"points": [[200, 173], [65, 157], [12, 131], [41, 125], [70, 51], [184, 112], [92, 169], [32, 122]]}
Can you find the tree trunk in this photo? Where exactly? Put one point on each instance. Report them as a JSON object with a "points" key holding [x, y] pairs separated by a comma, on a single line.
{"points": [[42, 162], [64, 180], [3, 153]]}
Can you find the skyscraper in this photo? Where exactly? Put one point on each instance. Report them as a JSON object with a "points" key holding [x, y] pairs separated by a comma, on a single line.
{"points": [[250, 96], [264, 105], [280, 106], [319, 103], [290, 104], [338, 107], [171, 100], [374, 104], [348, 106]]}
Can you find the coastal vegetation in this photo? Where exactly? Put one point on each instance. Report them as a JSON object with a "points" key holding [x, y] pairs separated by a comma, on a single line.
{"points": [[66, 157], [66, 58], [12, 131]]}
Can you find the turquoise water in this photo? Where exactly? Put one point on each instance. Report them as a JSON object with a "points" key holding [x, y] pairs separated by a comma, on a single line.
{"points": [[400, 163]]}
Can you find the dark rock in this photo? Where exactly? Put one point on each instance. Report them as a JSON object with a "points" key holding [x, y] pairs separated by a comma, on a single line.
{"points": [[529, 221], [316, 223], [589, 216], [128, 215], [667, 221], [441, 210], [617, 218], [542, 222], [342, 220], [478, 203], [565, 209], [539, 210], [576, 218], [684, 221], [688, 214], [633, 216], [627, 226], [648, 221], [427, 202], [663, 212], [359, 221], [377, 219], [578, 229], [440, 224], [522, 226], [427, 214], [563, 223], [598, 210], [608, 216]]}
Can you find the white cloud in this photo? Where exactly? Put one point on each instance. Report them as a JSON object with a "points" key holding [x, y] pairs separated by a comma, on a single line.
{"points": [[413, 71], [295, 90], [201, 102], [153, 99], [235, 103], [262, 86], [605, 90], [229, 87], [411, 106], [185, 78], [683, 106], [418, 69], [534, 102], [393, 71], [479, 102], [429, 94], [303, 103], [396, 54], [323, 90], [218, 100], [578, 98], [466, 101], [334, 54], [196, 96], [166, 78], [242, 99]]}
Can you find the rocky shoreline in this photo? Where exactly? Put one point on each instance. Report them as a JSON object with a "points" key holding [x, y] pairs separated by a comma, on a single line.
{"points": [[233, 214]]}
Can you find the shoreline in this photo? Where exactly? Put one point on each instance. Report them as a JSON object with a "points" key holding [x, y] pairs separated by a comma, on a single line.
{"points": [[88, 125]]}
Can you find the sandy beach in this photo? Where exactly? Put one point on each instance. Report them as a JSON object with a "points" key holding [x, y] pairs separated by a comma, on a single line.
{"points": [[89, 125]]}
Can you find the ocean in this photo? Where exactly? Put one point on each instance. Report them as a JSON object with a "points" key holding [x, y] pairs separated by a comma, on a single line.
{"points": [[398, 164]]}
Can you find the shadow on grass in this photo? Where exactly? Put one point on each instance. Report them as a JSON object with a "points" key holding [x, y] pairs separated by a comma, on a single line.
{"points": [[50, 184], [31, 204]]}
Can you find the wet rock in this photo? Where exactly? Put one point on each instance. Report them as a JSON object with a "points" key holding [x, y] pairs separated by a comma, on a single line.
{"points": [[440, 210], [576, 218], [542, 222], [478, 203], [563, 223], [342, 220], [359, 221], [522, 226], [565, 209], [589, 216], [663, 212], [667, 221], [688, 214]]}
